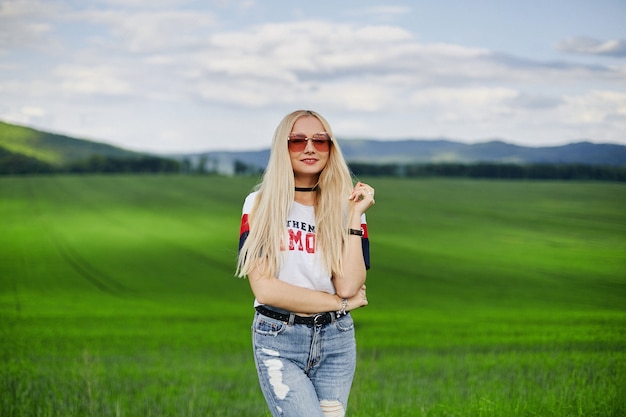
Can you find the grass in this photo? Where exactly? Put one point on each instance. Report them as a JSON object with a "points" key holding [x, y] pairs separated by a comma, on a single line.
{"points": [[487, 298]]}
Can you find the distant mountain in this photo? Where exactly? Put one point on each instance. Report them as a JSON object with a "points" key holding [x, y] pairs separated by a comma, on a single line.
{"points": [[52, 149], [446, 151]]}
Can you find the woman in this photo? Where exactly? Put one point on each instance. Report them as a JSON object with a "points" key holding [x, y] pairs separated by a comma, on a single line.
{"points": [[304, 248]]}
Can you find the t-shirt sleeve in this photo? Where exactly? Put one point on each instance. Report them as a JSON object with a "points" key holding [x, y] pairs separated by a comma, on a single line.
{"points": [[365, 242], [244, 228]]}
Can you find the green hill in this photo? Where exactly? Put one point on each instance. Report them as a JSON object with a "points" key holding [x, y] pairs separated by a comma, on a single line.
{"points": [[24, 150], [49, 148]]}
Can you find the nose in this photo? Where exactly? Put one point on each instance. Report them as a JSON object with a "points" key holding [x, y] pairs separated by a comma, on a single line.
{"points": [[309, 148]]}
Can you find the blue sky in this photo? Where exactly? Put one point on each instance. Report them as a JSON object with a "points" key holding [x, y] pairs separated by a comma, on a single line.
{"points": [[187, 76]]}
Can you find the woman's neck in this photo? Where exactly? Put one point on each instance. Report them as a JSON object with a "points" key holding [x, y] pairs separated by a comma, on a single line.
{"points": [[306, 195], [306, 183], [306, 189]]}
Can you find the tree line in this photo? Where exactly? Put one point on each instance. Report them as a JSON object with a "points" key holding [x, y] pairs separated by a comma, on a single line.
{"points": [[544, 171], [16, 164]]}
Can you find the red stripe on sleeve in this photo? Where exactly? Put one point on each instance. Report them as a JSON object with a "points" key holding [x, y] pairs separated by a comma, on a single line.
{"points": [[245, 227]]}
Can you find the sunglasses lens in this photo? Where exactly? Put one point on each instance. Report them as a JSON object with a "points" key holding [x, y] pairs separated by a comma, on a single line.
{"points": [[297, 144], [321, 145], [321, 141]]}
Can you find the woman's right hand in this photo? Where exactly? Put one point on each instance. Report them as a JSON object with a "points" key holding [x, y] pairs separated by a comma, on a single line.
{"points": [[359, 300]]}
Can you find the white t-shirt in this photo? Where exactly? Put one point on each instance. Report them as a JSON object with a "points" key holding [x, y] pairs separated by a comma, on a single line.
{"points": [[301, 265]]}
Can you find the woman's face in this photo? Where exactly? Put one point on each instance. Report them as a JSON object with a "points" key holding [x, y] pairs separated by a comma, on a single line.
{"points": [[310, 161]]}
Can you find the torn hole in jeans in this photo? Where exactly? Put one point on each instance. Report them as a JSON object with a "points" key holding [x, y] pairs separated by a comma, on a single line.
{"points": [[332, 408]]}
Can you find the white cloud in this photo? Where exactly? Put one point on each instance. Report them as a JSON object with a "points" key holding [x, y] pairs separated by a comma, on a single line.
{"points": [[143, 3], [144, 32], [92, 80], [25, 115], [33, 111], [311, 45], [591, 46], [466, 98], [245, 5], [359, 96], [344, 65], [24, 9], [24, 23], [595, 108]]}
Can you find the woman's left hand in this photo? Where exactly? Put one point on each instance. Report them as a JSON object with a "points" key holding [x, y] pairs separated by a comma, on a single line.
{"points": [[363, 197]]}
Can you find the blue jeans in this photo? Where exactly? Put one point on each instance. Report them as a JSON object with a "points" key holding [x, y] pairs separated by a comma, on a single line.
{"points": [[305, 370]]}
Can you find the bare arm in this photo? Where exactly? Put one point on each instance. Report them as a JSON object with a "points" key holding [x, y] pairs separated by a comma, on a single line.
{"points": [[272, 291], [354, 273]]}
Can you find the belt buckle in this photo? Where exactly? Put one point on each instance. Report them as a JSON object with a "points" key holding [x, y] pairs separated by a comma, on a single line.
{"points": [[318, 319]]}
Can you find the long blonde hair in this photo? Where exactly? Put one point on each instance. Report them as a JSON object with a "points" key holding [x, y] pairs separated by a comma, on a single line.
{"points": [[268, 217]]}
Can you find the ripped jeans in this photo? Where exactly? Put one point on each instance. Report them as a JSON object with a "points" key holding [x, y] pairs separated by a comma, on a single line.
{"points": [[305, 370]]}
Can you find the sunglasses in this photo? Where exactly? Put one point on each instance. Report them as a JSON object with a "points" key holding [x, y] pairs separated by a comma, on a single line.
{"points": [[297, 142]]}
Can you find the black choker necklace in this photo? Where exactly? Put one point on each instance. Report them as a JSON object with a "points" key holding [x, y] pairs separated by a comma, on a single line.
{"points": [[307, 189]]}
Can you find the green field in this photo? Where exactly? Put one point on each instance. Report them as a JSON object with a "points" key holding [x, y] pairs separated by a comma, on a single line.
{"points": [[487, 298]]}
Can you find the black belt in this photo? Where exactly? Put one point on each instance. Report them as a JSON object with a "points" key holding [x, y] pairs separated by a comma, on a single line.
{"points": [[315, 320]]}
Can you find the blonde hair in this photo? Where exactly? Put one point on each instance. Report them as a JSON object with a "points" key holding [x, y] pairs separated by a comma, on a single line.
{"points": [[268, 217]]}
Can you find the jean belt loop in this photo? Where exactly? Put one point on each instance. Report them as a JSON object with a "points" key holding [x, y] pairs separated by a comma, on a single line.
{"points": [[292, 318]]}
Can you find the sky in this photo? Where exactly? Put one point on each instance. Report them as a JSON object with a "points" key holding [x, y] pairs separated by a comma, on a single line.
{"points": [[178, 76]]}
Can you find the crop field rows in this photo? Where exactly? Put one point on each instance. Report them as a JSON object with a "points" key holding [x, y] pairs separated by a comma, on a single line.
{"points": [[487, 298]]}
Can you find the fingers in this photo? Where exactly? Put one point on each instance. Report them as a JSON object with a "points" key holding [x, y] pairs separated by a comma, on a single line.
{"points": [[364, 295], [358, 300], [362, 192]]}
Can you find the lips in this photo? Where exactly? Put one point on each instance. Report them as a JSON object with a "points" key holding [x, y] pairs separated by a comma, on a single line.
{"points": [[309, 161]]}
